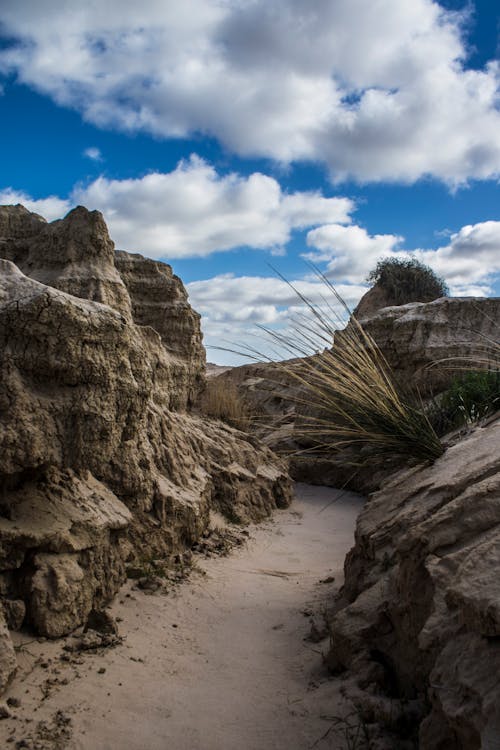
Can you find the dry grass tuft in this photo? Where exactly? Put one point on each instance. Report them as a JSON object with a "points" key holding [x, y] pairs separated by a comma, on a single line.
{"points": [[221, 400], [350, 396]]}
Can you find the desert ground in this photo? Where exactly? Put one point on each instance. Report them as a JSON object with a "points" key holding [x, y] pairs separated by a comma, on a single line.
{"points": [[231, 658]]}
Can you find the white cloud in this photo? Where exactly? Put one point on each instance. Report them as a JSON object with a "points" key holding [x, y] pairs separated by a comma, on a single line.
{"points": [[194, 211], [50, 208], [378, 91], [349, 252], [469, 263], [93, 153], [233, 306]]}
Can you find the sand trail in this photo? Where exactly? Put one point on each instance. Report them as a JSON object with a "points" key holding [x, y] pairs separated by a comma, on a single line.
{"points": [[221, 664]]}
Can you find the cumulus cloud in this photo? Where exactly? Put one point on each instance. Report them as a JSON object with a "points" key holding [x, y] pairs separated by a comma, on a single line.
{"points": [[232, 308], [50, 208], [349, 252], [378, 91], [194, 211], [469, 263], [93, 153]]}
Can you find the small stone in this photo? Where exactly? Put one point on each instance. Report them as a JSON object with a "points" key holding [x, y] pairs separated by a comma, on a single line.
{"points": [[13, 702], [328, 579], [102, 622], [149, 583], [101, 670], [4, 712]]}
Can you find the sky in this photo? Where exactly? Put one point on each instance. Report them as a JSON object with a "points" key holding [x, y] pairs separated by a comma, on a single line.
{"points": [[235, 139]]}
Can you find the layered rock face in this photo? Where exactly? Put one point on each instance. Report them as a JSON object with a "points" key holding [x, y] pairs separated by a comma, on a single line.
{"points": [[160, 300], [422, 629], [96, 465], [415, 338], [74, 254]]}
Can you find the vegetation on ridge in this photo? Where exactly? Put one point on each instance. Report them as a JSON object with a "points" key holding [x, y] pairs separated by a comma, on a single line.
{"points": [[407, 280], [349, 392], [221, 400]]}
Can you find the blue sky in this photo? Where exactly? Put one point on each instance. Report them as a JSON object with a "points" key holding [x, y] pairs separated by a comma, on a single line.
{"points": [[224, 136]]}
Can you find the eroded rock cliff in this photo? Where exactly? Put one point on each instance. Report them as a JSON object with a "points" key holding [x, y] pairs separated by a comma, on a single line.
{"points": [[99, 463], [420, 635], [424, 341], [160, 300]]}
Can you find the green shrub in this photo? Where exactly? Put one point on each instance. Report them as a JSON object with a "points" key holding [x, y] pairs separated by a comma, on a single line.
{"points": [[472, 396], [407, 280]]}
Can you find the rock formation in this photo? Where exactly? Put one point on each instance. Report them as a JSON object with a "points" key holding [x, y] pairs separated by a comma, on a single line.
{"points": [[160, 301], [424, 344], [100, 464], [421, 631], [74, 254], [415, 338]]}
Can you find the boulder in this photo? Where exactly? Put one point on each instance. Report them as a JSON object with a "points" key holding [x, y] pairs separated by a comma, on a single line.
{"points": [[426, 342]]}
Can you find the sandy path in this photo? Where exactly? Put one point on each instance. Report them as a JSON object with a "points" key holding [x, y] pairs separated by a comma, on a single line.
{"points": [[219, 665]]}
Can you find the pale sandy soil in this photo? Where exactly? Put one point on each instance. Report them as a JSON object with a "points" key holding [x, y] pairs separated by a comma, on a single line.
{"points": [[219, 664]]}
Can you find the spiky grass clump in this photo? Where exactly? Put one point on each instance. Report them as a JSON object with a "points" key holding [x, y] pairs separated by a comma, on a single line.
{"points": [[349, 394]]}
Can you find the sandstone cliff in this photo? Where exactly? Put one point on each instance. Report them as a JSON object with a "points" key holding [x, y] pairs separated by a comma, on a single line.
{"points": [[159, 300], [415, 338], [420, 634], [99, 463]]}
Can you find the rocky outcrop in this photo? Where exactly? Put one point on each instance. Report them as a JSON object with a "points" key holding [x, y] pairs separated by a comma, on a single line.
{"points": [[97, 465], [17, 223], [426, 345], [160, 300], [74, 254], [416, 338], [372, 301], [422, 625]]}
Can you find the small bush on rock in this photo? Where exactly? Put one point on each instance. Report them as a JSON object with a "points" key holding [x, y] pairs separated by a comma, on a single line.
{"points": [[407, 280], [471, 397]]}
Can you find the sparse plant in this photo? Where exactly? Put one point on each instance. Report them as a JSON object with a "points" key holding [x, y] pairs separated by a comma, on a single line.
{"points": [[349, 392], [472, 396], [407, 280], [221, 400], [351, 728]]}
